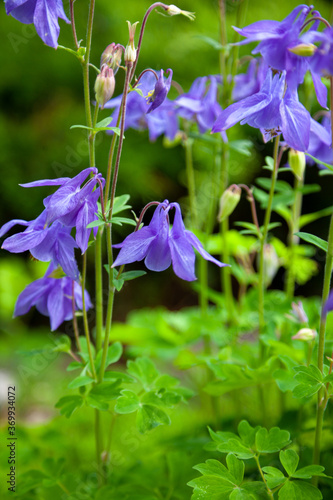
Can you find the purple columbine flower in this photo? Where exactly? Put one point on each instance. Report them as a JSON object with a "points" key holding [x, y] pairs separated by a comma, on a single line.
{"points": [[322, 60], [52, 297], [163, 120], [72, 205], [276, 38], [200, 104], [320, 145], [161, 246], [272, 112], [249, 83], [161, 89], [52, 243], [43, 14]]}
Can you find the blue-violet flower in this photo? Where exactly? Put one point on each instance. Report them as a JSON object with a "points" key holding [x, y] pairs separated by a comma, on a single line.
{"points": [[161, 246]]}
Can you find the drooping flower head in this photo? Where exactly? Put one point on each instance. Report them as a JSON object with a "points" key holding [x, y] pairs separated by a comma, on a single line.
{"points": [[161, 246], [200, 103], [161, 89], [272, 111], [43, 14], [162, 120], [52, 297]]}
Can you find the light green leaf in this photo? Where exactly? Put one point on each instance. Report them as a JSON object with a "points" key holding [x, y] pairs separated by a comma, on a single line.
{"points": [[119, 204], [236, 468], [327, 165], [149, 417], [309, 471], [272, 440], [128, 402], [80, 381], [68, 404], [273, 476], [144, 370], [289, 459]]}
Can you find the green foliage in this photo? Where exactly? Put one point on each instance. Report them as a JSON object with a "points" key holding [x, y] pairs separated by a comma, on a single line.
{"points": [[154, 396], [221, 483]]}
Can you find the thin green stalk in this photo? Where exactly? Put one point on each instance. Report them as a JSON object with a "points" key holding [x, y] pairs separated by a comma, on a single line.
{"points": [[263, 239], [110, 161], [99, 444], [109, 310], [190, 180], [85, 318], [75, 325], [99, 289], [269, 491], [225, 271], [293, 240], [322, 398]]}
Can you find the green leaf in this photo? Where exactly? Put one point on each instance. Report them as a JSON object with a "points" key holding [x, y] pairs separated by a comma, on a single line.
{"points": [[128, 402], [242, 146], [119, 221], [210, 41], [114, 354], [112, 375], [303, 391], [106, 391], [63, 344], [308, 374], [149, 417], [309, 471], [236, 468], [119, 204], [289, 459], [131, 275], [144, 370], [97, 403], [69, 404], [272, 440], [327, 165], [274, 477], [237, 448], [314, 240], [247, 433], [299, 490], [80, 381], [74, 365], [96, 223]]}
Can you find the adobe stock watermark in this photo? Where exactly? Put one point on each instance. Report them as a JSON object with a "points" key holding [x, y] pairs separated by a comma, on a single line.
{"points": [[16, 40]]}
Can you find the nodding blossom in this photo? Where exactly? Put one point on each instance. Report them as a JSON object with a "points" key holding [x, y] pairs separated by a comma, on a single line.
{"points": [[43, 14], [161, 246]]}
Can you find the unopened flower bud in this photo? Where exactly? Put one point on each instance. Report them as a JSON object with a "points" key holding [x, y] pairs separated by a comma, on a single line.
{"points": [[299, 312], [303, 49], [229, 201], [112, 56], [172, 10], [296, 160], [130, 51], [104, 85], [305, 334], [271, 263]]}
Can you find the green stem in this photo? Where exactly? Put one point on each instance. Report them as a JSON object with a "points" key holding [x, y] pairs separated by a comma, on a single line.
{"points": [[109, 310], [269, 491], [190, 179], [99, 444], [99, 289], [293, 240], [322, 398], [85, 318], [263, 239]]}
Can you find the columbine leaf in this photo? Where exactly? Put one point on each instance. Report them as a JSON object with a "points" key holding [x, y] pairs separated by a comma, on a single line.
{"points": [[144, 370], [314, 240], [114, 354], [272, 440], [69, 404], [123, 220], [119, 204], [309, 471], [289, 459], [247, 433], [299, 490], [308, 374], [128, 402], [274, 477], [149, 417], [80, 381], [327, 165], [236, 468]]}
